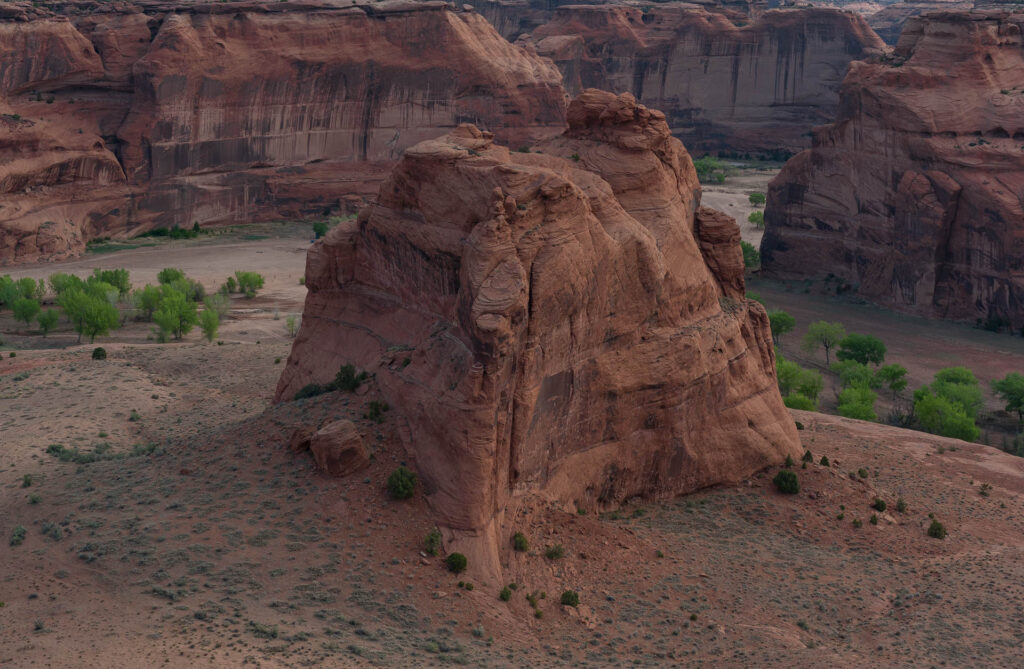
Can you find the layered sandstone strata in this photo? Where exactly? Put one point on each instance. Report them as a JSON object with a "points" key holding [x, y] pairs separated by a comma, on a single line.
{"points": [[725, 81], [915, 196], [165, 114], [567, 323]]}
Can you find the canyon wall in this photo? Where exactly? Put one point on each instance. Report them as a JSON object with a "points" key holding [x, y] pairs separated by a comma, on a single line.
{"points": [[567, 324], [135, 116], [725, 80], [914, 198]]}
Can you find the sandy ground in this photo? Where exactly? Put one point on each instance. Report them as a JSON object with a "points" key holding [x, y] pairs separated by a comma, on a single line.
{"points": [[733, 197], [213, 546], [922, 346]]}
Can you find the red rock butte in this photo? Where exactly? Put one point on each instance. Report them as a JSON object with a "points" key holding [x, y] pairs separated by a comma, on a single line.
{"points": [[115, 119], [914, 198], [564, 325]]}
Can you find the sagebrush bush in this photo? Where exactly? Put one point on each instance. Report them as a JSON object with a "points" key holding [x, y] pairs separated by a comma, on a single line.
{"points": [[432, 542], [879, 504], [520, 542], [570, 598], [401, 483], [937, 530], [787, 482], [555, 552], [505, 594]]}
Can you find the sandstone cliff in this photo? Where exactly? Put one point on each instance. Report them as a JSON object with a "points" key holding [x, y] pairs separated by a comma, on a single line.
{"points": [[915, 196], [724, 80], [567, 325], [162, 114]]}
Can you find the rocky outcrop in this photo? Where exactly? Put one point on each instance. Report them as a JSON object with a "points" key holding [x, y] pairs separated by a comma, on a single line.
{"points": [[165, 114], [915, 196], [725, 80], [557, 324]]}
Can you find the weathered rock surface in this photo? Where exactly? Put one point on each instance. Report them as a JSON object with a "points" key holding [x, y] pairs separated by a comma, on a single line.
{"points": [[136, 116], [915, 196], [338, 449], [725, 80], [574, 331]]}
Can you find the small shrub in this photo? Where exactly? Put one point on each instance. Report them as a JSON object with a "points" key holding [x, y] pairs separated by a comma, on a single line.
{"points": [[901, 506], [401, 483], [456, 563], [985, 490], [570, 598], [937, 530], [789, 462], [99, 353], [863, 473], [309, 390], [263, 631], [787, 482], [825, 462], [376, 411], [18, 535], [799, 425], [34, 499], [291, 325], [520, 543], [505, 594], [537, 613], [432, 542], [556, 552], [807, 457], [874, 519], [757, 199], [348, 379], [857, 523], [26, 480], [879, 504]]}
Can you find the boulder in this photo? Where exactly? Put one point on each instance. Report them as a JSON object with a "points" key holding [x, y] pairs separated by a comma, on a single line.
{"points": [[338, 449]]}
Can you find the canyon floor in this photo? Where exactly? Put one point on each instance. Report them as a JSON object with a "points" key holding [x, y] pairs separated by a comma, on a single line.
{"points": [[195, 538]]}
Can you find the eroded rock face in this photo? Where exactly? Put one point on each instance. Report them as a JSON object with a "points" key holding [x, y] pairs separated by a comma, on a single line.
{"points": [[163, 114], [575, 332], [725, 80], [915, 196]]}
